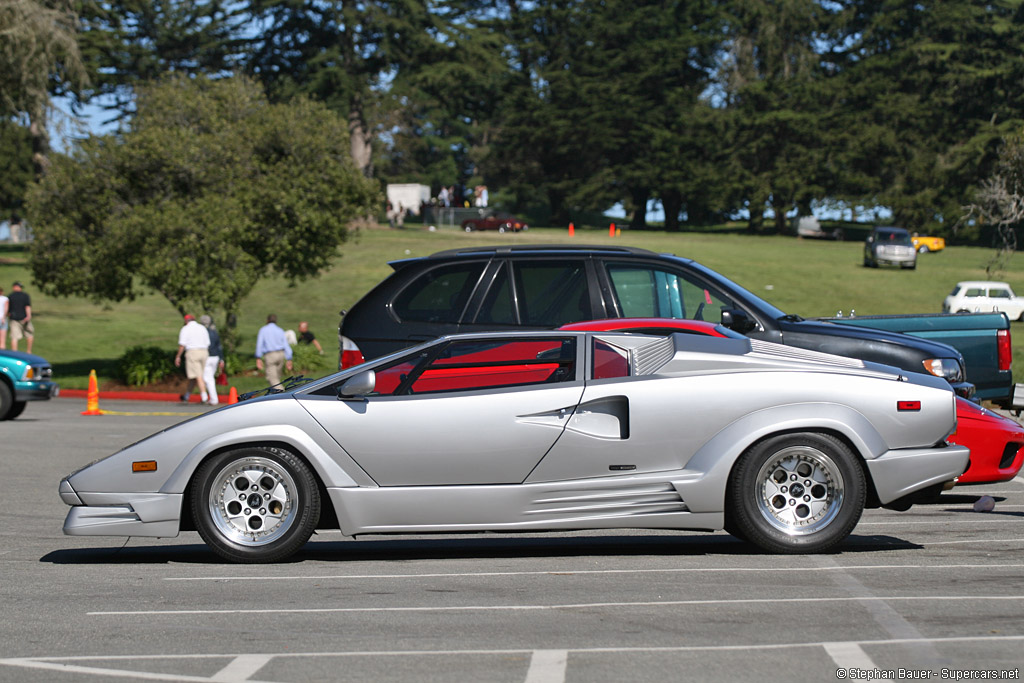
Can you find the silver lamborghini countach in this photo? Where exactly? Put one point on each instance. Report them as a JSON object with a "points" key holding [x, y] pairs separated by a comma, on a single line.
{"points": [[539, 431]]}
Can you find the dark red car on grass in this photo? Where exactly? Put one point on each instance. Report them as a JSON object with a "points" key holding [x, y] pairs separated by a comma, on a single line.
{"points": [[995, 441], [502, 222]]}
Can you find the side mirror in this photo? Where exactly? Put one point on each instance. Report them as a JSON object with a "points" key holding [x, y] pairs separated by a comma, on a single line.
{"points": [[358, 386], [737, 320]]}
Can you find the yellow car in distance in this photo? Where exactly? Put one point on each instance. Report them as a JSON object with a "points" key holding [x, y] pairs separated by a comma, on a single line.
{"points": [[925, 243]]}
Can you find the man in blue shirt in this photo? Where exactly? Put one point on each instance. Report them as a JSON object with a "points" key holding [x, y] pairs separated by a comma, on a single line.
{"points": [[272, 350]]}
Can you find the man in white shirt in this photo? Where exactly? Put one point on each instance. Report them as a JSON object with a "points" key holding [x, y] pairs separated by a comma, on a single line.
{"points": [[194, 343]]}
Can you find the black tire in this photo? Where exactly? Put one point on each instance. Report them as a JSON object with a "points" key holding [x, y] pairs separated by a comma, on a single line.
{"points": [[226, 489], [467, 227], [17, 409], [763, 507], [923, 249], [6, 401]]}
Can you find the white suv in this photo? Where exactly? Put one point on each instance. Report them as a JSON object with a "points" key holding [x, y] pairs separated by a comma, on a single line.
{"points": [[982, 296]]}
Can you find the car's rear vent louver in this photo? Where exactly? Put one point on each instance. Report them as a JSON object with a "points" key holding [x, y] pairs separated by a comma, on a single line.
{"points": [[763, 348], [648, 358], [630, 500]]}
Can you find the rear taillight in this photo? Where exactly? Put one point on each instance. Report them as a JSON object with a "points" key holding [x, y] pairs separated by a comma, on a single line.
{"points": [[350, 354], [1005, 350]]}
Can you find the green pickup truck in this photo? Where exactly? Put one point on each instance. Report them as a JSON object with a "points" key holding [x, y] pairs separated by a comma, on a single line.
{"points": [[982, 338], [23, 378]]}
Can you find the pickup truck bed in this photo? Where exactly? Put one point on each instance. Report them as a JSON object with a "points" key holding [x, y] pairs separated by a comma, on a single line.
{"points": [[978, 336]]}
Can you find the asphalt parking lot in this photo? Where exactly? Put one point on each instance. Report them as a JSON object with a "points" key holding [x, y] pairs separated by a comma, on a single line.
{"points": [[935, 593]]}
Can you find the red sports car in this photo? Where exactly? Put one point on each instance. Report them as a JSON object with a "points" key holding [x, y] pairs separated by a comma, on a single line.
{"points": [[995, 441], [502, 222]]}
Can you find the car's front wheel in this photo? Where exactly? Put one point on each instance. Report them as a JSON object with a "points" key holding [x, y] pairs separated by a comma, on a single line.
{"points": [[923, 249], [467, 227], [796, 493], [257, 504]]}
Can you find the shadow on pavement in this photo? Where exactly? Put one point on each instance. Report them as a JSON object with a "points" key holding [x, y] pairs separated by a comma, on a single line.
{"points": [[466, 548]]}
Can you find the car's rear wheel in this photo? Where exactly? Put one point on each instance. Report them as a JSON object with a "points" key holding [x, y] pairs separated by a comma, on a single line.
{"points": [[923, 249], [257, 504], [6, 401], [796, 493]]}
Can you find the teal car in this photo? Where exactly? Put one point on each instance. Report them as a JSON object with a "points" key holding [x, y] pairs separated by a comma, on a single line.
{"points": [[24, 377]]}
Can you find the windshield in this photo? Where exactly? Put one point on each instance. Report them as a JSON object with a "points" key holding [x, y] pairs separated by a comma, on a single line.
{"points": [[749, 298], [901, 237]]}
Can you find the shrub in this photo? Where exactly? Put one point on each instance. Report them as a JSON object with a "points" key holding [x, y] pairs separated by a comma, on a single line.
{"points": [[307, 360], [145, 365]]}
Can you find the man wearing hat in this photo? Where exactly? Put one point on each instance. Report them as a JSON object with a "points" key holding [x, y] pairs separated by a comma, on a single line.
{"points": [[194, 344], [19, 309]]}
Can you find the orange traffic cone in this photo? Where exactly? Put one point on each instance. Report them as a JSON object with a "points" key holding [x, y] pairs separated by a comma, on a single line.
{"points": [[572, 230], [92, 400], [233, 396], [611, 230]]}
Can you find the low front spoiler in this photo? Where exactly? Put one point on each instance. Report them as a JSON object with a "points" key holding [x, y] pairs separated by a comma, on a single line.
{"points": [[905, 471], [155, 515]]}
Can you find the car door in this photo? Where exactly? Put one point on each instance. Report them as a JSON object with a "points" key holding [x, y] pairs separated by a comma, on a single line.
{"points": [[479, 411], [628, 423]]}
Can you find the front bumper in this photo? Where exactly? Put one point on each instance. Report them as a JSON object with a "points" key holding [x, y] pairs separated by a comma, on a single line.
{"points": [[35, 391], [121, 514], [905, 471]]}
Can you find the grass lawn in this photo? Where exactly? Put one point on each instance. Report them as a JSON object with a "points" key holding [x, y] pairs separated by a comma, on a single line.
{"points": [[808, 277]]}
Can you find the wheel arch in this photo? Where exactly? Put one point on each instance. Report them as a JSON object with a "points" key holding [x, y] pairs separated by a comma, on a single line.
{"points": [[717, 458], [328, 516]]}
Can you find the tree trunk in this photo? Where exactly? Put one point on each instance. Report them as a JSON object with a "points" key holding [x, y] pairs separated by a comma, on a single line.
{"points": [[360, 138], [672, 202], [756, 221], [40, 143], [780, 206], [639, 195]]}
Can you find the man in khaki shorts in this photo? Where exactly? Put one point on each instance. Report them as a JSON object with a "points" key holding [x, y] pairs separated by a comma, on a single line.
{"points": [[194, 344], [19, 310], [272, 350]]}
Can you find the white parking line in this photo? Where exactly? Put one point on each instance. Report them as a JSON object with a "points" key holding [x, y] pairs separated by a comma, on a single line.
{"points": [[565, 606], [846, 650], [547, 666], [988, 519], [241, 668], [849, 656], [583, 572]]}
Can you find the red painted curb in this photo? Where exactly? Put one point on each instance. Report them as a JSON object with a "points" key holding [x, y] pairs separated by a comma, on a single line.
{"points": [[135, 396]]}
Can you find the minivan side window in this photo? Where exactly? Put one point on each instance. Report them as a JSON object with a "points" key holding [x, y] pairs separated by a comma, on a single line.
{"points": [[646, 292], [552, 293], [438, 295]]}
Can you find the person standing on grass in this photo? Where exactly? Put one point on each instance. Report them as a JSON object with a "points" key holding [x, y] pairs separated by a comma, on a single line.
{"points": [[194, 344], [19, 310], [214, 361], [272, 350], [3, 319]]}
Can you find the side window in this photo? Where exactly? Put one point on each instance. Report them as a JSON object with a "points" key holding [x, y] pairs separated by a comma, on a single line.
{"points": [[999, 293], [497, 307], [438, 295], [974, 292], [646, 292], [468, 365], [477, 364], [552, 293], [609, 361]]}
